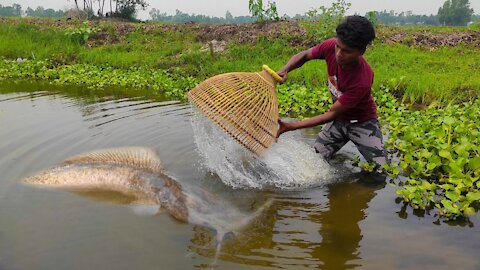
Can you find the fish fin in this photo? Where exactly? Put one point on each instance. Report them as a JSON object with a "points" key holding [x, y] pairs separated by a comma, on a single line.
{"points": [[146, 210], [138, 157]]}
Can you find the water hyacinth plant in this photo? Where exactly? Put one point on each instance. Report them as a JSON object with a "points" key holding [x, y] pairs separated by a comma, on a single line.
{"points": [[438, 148], [168, 84]]}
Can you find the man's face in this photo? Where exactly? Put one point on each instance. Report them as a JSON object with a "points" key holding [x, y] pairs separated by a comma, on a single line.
{"points": [[346, 55]]}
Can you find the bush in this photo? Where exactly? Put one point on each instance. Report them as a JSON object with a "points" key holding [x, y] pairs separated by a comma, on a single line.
{"points": [[81, 34], [322, 22], [257, 10]]}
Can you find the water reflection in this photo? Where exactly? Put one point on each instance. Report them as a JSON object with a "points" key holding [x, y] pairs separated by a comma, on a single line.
{"points": [[322, 231], [340, 230]]}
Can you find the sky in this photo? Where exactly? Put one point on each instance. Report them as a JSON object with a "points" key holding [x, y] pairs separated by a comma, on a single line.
{"points": [[218, 8]]}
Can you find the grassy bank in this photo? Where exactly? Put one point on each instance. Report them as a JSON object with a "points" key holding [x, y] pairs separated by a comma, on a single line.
{"points": [[427, 74]]}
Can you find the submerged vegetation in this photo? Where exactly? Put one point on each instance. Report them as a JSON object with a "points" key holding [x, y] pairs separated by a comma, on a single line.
{"points": [[425, 86]]}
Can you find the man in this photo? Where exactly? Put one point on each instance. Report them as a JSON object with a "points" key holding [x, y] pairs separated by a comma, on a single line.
{"points": [[353, 116]]}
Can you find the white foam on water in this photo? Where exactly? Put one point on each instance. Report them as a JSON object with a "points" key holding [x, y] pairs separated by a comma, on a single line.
{"points": [[289, 164]]}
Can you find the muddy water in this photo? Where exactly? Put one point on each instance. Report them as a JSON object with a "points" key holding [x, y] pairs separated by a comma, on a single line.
{"points": [[343, 225]]}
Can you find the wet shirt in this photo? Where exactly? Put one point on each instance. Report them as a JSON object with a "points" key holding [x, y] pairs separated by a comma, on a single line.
{"points": [[351, 87]]}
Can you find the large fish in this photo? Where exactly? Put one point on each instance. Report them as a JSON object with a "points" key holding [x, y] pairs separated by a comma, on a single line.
{"points": [[134, 172], [137, 173]]}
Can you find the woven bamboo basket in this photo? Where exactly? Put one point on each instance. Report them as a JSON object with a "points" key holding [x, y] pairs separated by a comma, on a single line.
{"points": [[243, 104]]}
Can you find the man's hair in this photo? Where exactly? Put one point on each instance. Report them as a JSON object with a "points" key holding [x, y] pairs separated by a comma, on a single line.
{"points": [[356, 31]]}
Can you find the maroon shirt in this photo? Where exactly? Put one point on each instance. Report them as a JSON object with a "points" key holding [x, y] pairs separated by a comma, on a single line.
{"points": [[351, 87]]}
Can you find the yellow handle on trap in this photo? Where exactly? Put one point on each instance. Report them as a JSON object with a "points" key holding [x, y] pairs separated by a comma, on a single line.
{"points": [[272, 73]]}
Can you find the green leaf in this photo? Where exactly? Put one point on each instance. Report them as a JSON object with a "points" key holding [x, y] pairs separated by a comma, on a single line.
{"points": [[424, 153], [469, 211], [447, 186], [445, 154], [474, 163], [428, 186], [453, 196], [454, 181], [473, 196], [450, 206], [431, 166], [449, 120]]}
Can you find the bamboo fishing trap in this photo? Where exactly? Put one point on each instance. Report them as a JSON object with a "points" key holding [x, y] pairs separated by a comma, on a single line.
{"points": [[243, 104]]}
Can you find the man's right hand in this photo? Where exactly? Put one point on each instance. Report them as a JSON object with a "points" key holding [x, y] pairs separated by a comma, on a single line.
{"points": [[283, 127]]}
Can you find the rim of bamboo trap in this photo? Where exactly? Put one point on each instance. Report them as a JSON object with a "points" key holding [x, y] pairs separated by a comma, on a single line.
{"points": [[243, 104]]}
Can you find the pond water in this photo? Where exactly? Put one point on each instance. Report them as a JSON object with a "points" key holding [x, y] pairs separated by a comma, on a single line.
{"points": [[340, 225]]}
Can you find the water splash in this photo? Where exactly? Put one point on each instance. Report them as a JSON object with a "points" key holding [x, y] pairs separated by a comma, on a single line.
{"points": [[289, 164]]}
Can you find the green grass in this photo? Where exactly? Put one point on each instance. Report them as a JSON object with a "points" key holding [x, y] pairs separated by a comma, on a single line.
{"points": [[445, 74], [422, 28], [158, 49], [32, 42], [424, 75]]}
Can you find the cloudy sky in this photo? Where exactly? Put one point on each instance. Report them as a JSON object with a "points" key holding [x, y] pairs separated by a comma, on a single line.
{"points": [[240, 7]]}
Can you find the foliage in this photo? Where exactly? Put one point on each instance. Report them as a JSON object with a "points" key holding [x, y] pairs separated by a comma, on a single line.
{"points": [[372, 16], [127, 8], [171, 85], [475, 25], [439, 151], [455, 12], [299, 101], [402, 18], [123, 8], [181, 17], [439, 73], [13, 10], [322, 22], [81, 34], [268, 13], [42, 12]]}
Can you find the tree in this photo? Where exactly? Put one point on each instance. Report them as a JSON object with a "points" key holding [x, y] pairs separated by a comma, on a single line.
{"points": [[263, 13], [391, 17], [228, 17], [41, 12], [182, 17], [127, 8], [455, 12], [14, 10], [123, 8], [321, 22]]}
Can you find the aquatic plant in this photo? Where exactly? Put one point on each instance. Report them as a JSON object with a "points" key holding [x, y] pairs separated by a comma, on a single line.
{"points": [[170, 85], [438, 151], [300, 101]]}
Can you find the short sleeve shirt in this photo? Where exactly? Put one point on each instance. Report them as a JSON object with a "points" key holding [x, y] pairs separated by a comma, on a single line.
{"points": [[351, 87]]}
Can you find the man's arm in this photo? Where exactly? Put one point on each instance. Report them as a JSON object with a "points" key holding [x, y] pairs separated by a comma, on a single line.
{"points": [[295, 62], [336, 110]]}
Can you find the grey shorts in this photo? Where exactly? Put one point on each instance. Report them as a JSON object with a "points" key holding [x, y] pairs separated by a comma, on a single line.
{"points": [[367, 136]]}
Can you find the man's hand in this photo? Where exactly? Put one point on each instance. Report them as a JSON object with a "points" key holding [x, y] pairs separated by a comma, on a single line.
{"points": [[283, 127], [336, 110], [283, 74]]}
